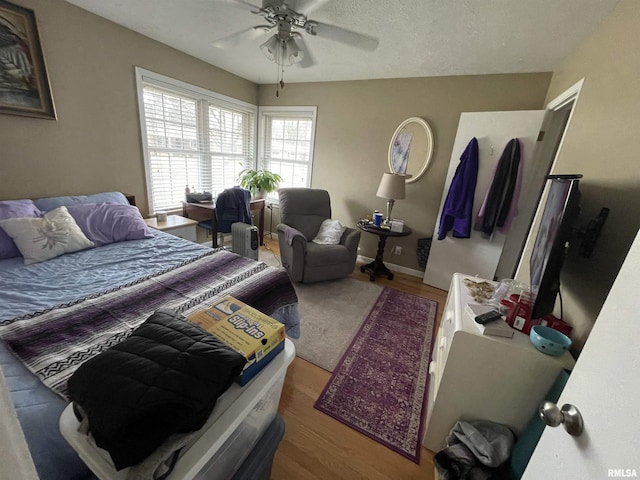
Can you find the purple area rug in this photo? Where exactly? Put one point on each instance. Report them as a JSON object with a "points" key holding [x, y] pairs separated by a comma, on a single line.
{"points": [[379, 388]]}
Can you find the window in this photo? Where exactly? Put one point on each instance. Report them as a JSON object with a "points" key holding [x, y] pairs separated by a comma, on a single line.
{"points": [[191, 137], [286, 144]]}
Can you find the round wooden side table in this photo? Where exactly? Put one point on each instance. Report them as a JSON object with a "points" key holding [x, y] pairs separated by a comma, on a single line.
{"points": [[377, 267]]}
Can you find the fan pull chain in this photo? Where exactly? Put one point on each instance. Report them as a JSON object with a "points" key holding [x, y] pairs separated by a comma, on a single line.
{"points": [[280, 82]]}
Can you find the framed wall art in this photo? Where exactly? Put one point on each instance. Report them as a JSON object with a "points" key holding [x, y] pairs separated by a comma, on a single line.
{"points": [[24, 83]]}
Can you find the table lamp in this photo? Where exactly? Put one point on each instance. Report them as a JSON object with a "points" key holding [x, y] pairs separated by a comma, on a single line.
{"points": [[392, 187]]}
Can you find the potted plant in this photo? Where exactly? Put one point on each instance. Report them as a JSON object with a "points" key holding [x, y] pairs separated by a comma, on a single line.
{"points": [[259, 182]]}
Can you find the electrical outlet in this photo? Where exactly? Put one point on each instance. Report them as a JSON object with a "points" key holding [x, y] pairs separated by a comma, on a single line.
{"points": [[397, 250]]}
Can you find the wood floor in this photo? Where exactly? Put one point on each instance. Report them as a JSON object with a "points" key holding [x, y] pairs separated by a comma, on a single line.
{"points": [[317, 447]]}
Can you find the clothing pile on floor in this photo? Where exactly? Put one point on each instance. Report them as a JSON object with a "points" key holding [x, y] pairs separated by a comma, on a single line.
{"points": [[475, 451]]}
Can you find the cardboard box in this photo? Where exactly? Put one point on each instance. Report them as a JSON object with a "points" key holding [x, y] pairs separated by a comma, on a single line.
{"points": [[248, 331], [397, 225], [519, 317], [555, 323]]}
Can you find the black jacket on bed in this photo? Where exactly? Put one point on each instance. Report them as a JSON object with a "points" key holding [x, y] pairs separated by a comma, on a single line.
{"points": [[165, 378]]}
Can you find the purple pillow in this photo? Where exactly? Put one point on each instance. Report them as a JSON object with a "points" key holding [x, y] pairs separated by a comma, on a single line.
{"points": [[105, 223], [14, 209]]}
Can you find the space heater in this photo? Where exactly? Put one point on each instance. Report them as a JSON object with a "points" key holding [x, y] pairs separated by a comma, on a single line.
{"points": [[245, 240]]}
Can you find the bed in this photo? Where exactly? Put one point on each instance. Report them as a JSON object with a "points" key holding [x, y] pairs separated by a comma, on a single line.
{"points": [[57, 313]]}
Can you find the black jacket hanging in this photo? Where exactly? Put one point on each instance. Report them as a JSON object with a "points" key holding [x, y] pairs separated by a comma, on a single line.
{"points": [[500, 195]]}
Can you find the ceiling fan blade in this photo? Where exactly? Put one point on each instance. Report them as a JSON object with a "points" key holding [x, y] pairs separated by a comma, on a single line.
{"points": [[307, 59], [237, 38], [308, 6], [241, 2], [342, 35]]}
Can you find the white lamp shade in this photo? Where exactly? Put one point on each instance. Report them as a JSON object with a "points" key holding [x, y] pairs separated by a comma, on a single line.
{"points": [[392, 186]]}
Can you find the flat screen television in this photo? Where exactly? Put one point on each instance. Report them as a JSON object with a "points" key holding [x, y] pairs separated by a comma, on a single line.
{"points": [[561, 211]]}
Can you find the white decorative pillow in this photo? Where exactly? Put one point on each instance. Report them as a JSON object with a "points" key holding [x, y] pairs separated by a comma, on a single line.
{"points": [[330, 232], [40, 239]]}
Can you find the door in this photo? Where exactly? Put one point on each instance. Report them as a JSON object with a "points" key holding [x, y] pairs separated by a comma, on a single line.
{"points": [[605, 387], [477, 255], [544, 153]]}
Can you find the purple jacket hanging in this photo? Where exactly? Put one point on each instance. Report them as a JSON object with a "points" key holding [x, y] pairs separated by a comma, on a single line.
{"points": [[458, 206]]}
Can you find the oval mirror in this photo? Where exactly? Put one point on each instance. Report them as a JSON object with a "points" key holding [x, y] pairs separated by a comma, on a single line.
{"points": [[411, 148]]}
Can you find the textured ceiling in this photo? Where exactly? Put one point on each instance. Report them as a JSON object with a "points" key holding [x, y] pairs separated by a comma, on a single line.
{"points": [[417, 38]]}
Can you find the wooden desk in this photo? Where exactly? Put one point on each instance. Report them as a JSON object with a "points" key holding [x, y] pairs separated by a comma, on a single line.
{"points": [[207, 212]]}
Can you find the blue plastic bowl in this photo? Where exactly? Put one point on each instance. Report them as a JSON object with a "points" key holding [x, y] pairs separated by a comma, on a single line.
{"points": [[549, 341]]}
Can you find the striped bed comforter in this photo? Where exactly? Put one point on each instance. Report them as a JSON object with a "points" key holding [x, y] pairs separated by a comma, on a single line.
{"points": [[53, 343]]}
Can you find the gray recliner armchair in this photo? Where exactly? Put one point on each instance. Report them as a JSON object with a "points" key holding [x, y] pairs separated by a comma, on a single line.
{"points": [[302, 211]]}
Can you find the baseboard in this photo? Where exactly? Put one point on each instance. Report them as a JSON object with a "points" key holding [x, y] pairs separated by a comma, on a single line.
{"points": [[396, 268]]}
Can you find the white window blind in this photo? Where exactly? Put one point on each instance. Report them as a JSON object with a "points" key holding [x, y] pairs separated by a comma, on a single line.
{"points": [[286, 142], [191, 138]]}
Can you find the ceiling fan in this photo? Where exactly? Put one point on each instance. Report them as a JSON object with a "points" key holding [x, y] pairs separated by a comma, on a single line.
{"points": [[286, 45]]}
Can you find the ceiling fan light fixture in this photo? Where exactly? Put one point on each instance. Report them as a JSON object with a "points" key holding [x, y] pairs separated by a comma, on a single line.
{"points": [[282, 52], [294, 52], [271, 48]]}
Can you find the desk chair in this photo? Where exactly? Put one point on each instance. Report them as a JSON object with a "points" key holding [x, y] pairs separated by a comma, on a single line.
{"points": [[232, 205], [206, 225]]}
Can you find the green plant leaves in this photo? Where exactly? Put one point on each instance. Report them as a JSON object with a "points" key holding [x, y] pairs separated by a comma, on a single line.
{"points": [[256, 180]]}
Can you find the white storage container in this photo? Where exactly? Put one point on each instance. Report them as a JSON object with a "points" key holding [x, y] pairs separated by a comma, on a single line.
{"points": [[235, 450], [237, 422]]}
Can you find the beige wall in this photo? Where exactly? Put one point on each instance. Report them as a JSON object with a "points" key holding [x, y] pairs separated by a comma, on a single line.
{"points": [[95, 143], [356, 120], [601, 143]]}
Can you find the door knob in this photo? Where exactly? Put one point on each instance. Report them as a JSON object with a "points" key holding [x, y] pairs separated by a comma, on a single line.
{"points": [[568, 415]]}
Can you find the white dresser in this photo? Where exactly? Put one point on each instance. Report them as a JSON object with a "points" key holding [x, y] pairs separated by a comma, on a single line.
{"points": [[483, 377]]}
